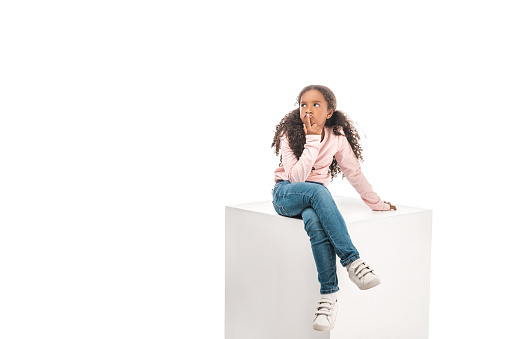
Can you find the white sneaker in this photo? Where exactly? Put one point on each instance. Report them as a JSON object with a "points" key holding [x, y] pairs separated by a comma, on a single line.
{"points": [[325, 315], [362, 275]]}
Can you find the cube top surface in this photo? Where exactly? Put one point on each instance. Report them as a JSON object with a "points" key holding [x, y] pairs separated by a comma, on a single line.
{"points": [[352, 209]]}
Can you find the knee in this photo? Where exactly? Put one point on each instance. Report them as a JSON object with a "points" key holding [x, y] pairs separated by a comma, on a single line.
{"points": [[320, 192]]}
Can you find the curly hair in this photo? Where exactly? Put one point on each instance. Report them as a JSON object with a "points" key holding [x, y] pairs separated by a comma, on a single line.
{"points": [[292, 126]]}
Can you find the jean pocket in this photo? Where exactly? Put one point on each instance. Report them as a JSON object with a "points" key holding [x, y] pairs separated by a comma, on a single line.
{"points": [[280, 210], [275, 188]]}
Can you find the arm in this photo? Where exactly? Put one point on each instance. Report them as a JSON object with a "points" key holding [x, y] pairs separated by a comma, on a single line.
{"points": [[298, 170], [350, 166]]}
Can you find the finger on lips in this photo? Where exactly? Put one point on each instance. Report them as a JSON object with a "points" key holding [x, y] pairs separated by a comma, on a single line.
{"points": [[307, 120]]}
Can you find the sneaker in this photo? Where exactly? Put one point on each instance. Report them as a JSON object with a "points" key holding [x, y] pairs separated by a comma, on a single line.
{"points": [[325, 315], [362, 275]]}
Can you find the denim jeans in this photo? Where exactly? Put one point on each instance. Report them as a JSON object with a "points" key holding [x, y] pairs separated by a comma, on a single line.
{"points": [[312, 202]]}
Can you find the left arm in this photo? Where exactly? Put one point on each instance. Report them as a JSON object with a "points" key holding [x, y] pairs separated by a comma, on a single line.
{"points": [[350, 166]]}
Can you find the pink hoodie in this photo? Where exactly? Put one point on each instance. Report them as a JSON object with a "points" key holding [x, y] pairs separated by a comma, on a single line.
{"points": [[317, 157]]}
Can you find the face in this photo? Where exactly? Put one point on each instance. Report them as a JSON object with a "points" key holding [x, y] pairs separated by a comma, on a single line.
{"points": [[313, 103]]}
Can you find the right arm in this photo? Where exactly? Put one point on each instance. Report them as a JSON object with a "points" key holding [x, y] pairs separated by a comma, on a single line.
{"points": [[298, 170]]}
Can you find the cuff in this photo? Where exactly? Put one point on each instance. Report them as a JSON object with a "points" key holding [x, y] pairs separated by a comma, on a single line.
{"points": [[378, 206], [313, 137]]}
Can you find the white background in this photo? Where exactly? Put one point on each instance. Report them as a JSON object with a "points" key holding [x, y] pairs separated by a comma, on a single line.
{"points": [[127, 126]]}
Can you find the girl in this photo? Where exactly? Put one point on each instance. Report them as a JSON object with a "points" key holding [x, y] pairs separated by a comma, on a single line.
{"points": [[317, 142]]}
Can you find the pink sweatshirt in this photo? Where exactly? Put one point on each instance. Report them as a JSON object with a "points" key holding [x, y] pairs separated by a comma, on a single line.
{"points": [[317, 157]]}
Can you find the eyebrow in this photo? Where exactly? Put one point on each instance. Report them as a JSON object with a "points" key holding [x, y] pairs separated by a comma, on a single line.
{"points": [[313, 101]]}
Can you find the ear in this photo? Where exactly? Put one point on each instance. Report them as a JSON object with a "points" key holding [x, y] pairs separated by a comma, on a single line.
{"points": [[330, 113]]}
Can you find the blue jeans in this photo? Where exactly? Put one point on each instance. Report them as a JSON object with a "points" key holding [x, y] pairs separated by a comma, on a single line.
{"points": [[312, 202]]}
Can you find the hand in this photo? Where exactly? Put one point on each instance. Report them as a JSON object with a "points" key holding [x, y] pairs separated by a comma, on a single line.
{"points": [[308, 129], [392, 207]]}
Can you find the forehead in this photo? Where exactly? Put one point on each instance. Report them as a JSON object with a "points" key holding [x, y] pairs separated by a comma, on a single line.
{"points": [[312, 95]]}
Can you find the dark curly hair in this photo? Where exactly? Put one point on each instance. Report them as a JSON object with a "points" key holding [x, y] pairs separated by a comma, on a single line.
{"points": [[292, 126]]}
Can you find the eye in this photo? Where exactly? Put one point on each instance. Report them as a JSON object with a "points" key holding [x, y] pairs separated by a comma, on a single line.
{"points": [[316, 104], [302, 105]]}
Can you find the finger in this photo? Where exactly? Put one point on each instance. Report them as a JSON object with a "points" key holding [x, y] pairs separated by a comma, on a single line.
{"points": [[304, 129], [306, 120]]}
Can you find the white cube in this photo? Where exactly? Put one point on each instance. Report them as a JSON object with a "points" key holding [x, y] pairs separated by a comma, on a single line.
{"points": [[272, 287]]}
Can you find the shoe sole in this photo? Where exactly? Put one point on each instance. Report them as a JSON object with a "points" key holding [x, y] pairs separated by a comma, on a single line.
{"points": [[322, 327], [371, 284]]}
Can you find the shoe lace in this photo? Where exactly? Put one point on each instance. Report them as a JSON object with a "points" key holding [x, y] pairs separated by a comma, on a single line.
{"points": [[324, 307], [362, 269]]}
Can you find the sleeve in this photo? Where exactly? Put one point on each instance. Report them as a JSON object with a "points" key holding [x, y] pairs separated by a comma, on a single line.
{"points": [[298, 170], [350, 166]]}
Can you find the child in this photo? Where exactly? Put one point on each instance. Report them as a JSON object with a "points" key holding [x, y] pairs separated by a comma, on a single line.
{"points": [[317, 142]]}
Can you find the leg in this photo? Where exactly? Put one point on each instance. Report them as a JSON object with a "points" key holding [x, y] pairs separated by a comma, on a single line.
{"points": [[291, 199], [322, 249]]}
